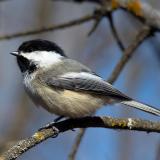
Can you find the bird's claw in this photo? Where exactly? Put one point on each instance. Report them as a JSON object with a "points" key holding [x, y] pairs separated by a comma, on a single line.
{"points": [[55, 131], [51, 126], [47, 126]]}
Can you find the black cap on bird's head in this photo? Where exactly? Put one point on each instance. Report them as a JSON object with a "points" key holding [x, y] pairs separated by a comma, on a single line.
{"points": [[38, 52], [40, 45]]}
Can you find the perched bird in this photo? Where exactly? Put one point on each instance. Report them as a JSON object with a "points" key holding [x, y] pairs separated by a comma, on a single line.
{"points": [[64, 86]]}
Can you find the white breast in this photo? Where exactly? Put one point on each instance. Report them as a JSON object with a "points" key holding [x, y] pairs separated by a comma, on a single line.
{"points": [[27, 81]]}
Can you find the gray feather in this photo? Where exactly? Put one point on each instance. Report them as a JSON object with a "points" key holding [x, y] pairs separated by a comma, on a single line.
{"points": [[142, 106], [86, 82]]}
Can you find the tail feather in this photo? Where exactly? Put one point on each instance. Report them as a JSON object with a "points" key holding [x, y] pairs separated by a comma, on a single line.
{"points": [[141, 106]]}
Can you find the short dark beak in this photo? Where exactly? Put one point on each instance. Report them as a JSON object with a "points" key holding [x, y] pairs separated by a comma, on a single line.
{"points": [[15, 53]]}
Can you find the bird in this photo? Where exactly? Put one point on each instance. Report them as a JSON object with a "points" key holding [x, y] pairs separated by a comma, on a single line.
{"points": [[66, 87]]}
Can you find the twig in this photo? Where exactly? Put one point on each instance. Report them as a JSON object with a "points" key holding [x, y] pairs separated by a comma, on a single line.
{"points": [[79, 1], [76, 144], [95, 25], [103, 122], [141, 36], [51, 28], [140, 9], [99, 15], [114, 31], [158, 152]]}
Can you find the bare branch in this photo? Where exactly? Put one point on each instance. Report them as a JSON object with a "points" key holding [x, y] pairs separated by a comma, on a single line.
{"points": [[96, 23], [141, 36], [63, 126], [76, 145], [50, 28], [140, 9], [114, 32], [79, 1]]}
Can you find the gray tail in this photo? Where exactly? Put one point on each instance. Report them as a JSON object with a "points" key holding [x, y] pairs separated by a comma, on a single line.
{"points": [[141, 106]]}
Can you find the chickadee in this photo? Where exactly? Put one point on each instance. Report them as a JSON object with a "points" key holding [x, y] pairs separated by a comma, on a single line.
{"points": [[64, 86]]}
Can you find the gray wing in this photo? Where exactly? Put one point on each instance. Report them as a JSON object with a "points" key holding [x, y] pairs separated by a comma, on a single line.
{"points": [[88, 82]]}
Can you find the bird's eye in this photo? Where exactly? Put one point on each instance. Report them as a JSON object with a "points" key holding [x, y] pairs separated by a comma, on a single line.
{"points": [[30, 50]]}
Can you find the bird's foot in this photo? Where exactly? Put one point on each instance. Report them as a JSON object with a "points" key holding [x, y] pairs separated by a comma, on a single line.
{"points": [[47, 126], [51, 125]]}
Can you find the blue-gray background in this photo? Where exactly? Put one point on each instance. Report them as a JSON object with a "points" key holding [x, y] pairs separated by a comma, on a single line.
{"points": [[19, 118]]}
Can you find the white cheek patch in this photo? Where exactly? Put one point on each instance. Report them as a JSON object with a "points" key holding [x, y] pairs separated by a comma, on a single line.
{"points": [[43, 58]]}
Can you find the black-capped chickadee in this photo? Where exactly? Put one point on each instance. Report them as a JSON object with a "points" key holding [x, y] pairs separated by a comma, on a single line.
{"points": [[64, 86]]}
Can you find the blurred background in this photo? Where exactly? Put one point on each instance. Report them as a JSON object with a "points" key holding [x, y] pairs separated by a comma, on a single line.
{"points": [[19, 118]]}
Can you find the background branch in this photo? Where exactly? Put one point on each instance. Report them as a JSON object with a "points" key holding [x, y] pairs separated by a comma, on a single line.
{"points": [[141, 10], [114, 32], [51, 28]]}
